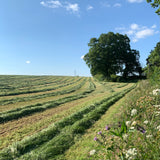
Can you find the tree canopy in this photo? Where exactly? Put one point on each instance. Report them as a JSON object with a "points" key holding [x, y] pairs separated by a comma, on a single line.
{"points": [[155, 4], [111, 54], [153, 60]]}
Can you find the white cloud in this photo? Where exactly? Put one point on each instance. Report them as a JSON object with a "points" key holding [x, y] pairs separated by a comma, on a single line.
{"points": [[89, 8], [82, 57], [72, 7], [154, 26], [117, 5], [28, 62], [135, 1], [130, 32], [144, 33], [51, 4], [120, 28], [137, 32], [134, 26]]}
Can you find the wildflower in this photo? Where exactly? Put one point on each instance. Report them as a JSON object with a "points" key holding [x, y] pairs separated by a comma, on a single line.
{"points": [[133, 112], [125, 136], [128, 123], [149, 136], [131, 154], [92, 152], [100, 132], [134, 123], [119, 124], [145, 122], [157, 113], [156, 92], [95, 138], [158, 127], [140, 128], [107, 128], [131, 128], [156, 106]]}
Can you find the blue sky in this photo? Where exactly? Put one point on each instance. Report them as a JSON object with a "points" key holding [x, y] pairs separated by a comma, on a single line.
{"points": [[39, 37]]}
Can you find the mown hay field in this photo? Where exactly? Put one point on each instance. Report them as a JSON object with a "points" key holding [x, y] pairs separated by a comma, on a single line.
{"points": [[41, 117]]}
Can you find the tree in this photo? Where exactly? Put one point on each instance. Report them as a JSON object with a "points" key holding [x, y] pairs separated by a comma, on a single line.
{"points": [[155, 4], [111, 54], [153, 60]]}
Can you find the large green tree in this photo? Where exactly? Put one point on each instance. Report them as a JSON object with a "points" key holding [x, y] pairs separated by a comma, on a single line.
{"points": [[111, 54], [155, 4]]}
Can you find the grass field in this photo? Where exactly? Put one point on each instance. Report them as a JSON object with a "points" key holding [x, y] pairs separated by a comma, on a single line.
{"points": [[43, 117]]}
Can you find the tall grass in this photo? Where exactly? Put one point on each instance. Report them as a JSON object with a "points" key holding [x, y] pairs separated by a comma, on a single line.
{"points": [[137, 136]]}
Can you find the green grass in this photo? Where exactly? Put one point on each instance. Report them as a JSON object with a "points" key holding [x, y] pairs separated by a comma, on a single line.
{"points": [[78, 128], [62, 130], [144, 137]]}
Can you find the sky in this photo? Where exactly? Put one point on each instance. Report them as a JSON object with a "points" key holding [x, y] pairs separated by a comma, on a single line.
{"points": [[50, 37]]}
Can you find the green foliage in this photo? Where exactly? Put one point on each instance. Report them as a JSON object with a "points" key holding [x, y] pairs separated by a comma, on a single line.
{"points": [[111, 54], [155, 4], [153, 65], [139, 134], [99, 77]]}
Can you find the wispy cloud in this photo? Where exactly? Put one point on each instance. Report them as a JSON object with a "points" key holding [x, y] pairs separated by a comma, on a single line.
{"points": [[135, 1], [154, 26], [89, 7], [51, 4], [70, 7], [108, 5], [137, 32], [28, 62], [144, 33], [117, 5]]}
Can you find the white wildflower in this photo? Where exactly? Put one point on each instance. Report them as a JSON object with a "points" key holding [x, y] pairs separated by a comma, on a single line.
{"points": [[125, 136], [145, 122], [92, 152], [157, 113], [133, 112], [131, 154], [156, 106], [131, 128], [128, 123], [149, 136], [134, 123], [156, 92], [158, 127]]}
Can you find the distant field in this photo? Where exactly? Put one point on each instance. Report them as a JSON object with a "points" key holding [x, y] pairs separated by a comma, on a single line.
{"points": [[43, 116]]}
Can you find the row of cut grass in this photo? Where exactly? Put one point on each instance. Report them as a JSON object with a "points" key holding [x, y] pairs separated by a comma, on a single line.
{"points": [[67, 90], [87, 120], [36, 90], [28, 110], [68, 134], [26, 126], [14, 83]]}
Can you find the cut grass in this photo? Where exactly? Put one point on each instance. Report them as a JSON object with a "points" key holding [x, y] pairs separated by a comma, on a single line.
{"points": [[82, 124], [86, 143]]}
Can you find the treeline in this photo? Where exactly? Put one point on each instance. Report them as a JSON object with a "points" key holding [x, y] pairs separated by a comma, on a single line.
{"points": [[111, 58]]}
